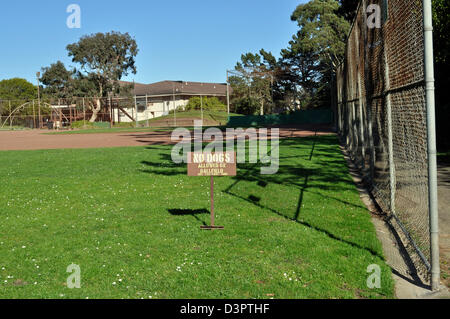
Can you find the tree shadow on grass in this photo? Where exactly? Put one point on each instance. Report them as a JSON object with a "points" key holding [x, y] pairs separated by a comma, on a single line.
{"points": [[191, 212]]}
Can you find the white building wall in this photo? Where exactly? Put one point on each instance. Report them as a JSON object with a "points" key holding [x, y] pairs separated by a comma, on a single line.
{"points": [[154, 109]]}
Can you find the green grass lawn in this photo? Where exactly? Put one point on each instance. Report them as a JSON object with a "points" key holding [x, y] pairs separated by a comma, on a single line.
{"points": [[130, 219]]}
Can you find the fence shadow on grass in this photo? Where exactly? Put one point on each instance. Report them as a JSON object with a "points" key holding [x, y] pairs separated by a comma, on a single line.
{"points": [[293, 175], [255, 201]]}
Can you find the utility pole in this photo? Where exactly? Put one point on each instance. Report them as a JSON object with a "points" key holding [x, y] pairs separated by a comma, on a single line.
{"points": [[34, 117], [84, 114], [174, 107], [111, 111], [136, 112], [228, 95], [135, 105], [38, 74], [146, 108], [10, 116], [201, 107]]}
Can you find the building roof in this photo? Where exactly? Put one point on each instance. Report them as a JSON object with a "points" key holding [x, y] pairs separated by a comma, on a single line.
{"points": [[180, 87]]}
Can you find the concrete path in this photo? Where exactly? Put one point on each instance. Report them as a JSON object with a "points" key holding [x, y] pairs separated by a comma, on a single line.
{"points": [[408, 284], [444, 219]]}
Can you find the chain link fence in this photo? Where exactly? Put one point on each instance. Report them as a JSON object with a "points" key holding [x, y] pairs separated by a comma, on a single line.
{"points": [[71, 112], [381, 115]]}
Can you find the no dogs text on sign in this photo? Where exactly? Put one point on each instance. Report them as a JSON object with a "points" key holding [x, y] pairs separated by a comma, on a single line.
{"points": [[212, 164]]}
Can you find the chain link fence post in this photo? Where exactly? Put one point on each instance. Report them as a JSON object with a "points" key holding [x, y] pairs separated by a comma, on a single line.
{"points": [[394, 121], [431, 143]]}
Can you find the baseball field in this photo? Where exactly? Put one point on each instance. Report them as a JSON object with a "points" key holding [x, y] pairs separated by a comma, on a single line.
{"points": [[130, 219]]}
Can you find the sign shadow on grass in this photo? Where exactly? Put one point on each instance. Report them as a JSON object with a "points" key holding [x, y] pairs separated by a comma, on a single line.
{"points": [[191, 212]]}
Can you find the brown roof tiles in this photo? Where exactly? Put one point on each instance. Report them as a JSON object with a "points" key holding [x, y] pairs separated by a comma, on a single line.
{"points": [[180, 87]]}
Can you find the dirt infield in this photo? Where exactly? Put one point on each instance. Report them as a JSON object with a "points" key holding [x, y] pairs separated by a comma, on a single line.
{"points": [[38, 140]]}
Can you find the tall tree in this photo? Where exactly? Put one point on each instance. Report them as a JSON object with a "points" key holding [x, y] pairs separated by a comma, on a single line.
{"points": [[321, 30], [304, 73], [441, 39], [347, 9], [283, 82], [316, 49], [58, 80], [19, 91], [255, 80], [104, 58]]}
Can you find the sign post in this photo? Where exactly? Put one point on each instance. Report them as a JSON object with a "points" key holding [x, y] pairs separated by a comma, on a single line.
{"points": [[212, 164], [212, 207]]}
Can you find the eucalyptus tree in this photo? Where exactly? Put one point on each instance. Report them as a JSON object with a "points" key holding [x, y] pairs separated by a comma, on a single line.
{"points": [[104, 58]]}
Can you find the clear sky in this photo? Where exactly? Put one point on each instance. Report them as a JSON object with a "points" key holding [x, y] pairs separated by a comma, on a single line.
{"points": [[194, 40]]}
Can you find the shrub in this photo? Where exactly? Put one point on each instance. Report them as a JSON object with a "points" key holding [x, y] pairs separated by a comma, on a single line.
{"points": [[209, 104], [89, 125], [82, 124], [247, 106]]}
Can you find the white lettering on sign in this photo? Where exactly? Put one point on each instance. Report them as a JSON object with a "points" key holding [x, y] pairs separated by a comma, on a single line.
{"points": [[212, 158]]}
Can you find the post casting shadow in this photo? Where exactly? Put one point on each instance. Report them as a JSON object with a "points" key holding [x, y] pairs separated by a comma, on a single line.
{"points": [[191, 212]]}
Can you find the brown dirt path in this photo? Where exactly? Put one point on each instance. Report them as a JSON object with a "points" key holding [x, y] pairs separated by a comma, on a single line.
{"points": [[37, 140]]}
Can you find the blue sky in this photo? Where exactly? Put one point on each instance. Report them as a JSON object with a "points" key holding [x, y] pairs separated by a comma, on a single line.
{"points": [[178, 40]]}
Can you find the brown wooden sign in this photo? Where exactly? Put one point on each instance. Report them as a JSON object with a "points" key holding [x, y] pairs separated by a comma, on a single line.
{"points": [[212, 164]]}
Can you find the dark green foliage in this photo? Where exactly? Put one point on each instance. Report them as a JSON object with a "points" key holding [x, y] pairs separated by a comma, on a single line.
{"points": [[348, 9], [209, 104], [246, 105], [58, 81], [254, 81], [14, 94], [321, 31], [301, 78], [105, 58], [441, 26], [17, 89]]}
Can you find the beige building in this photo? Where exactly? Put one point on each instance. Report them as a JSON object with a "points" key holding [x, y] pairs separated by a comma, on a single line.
{"points": [[158, 99]]}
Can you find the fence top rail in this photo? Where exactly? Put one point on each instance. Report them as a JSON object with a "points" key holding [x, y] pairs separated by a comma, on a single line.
{"points": [[113, 97]]}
